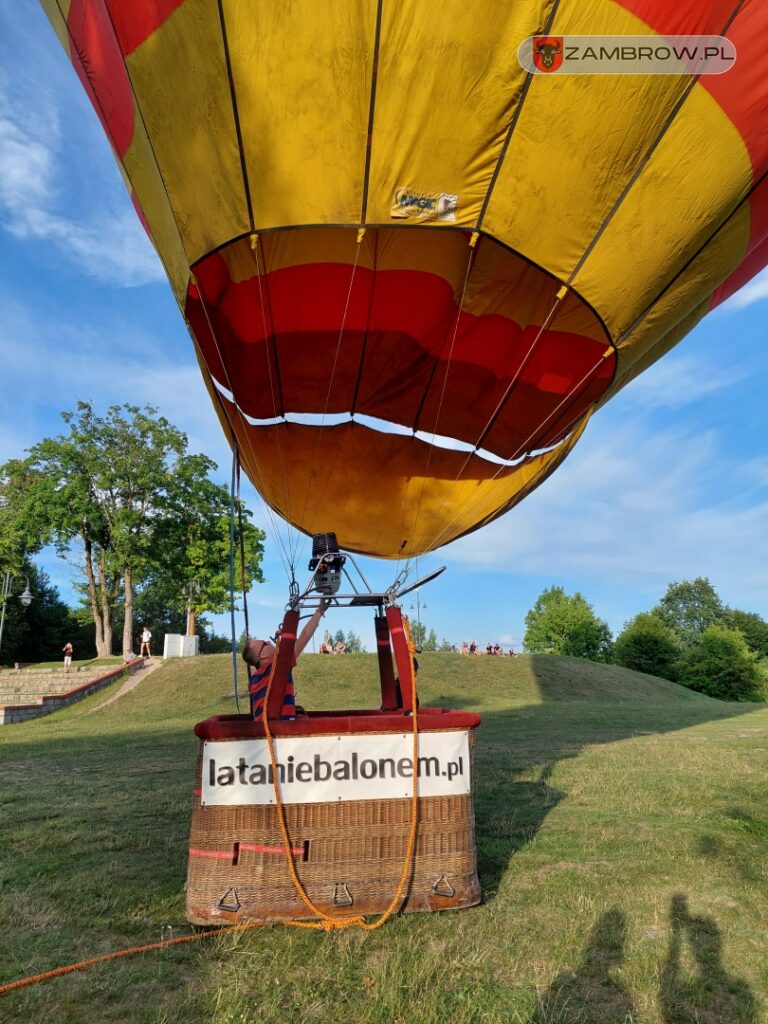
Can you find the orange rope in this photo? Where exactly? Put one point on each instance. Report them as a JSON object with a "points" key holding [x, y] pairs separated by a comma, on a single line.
{"points": [[33, 979], [331, 922], [327, 922]]}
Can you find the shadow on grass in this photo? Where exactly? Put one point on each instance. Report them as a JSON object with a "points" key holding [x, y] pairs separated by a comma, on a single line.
{"points": [[513, 742], [705, 994], [591, 992]]}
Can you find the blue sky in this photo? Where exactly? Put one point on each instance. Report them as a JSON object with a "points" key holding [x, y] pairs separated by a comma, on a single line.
{"points": [[669, 482]]}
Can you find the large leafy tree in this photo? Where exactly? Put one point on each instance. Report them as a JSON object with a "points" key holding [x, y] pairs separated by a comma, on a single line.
{"points": [[690, 607], [752, 626], [646, 644], [721, 665], [121, 495], [561, 623], [38, 632]]}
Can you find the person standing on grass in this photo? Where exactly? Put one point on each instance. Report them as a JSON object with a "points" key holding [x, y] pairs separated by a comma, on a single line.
{"points": [[146, 636], [68, 650], [259, 655]]}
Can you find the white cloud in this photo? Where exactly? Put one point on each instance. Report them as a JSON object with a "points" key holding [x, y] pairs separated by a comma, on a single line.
{"points": [[106, 241], [653, 506], [679, 380], [48, 367], [753, 291]]}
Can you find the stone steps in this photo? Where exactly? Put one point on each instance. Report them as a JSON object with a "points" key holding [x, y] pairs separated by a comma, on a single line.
{"points": [[19, 707]]}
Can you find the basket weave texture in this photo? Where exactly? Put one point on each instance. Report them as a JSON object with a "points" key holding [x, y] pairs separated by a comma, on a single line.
{"points": [[350, 857]]}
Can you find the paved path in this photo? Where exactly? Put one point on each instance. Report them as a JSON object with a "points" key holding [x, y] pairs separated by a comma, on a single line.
{"points": [[130, 683]]}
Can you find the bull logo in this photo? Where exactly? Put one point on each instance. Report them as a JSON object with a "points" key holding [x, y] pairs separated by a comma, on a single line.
{"points": [[547, 52]]}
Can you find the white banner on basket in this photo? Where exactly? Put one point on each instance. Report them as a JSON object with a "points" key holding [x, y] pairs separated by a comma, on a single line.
{"points": [[316, 769]]}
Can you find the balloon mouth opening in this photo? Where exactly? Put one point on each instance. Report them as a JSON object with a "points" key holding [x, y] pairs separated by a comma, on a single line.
{"points": [[383, 426]]}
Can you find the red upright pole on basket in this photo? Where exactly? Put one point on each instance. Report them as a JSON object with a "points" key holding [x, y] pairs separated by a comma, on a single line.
{"points": [[283, 664], [386, 672], [403, 661]]}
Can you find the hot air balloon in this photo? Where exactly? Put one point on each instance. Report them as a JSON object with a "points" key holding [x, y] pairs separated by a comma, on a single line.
{"points": [[412, 267]]}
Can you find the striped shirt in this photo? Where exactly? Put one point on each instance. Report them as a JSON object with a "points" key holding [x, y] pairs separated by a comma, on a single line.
{"points": [[257, 690]]}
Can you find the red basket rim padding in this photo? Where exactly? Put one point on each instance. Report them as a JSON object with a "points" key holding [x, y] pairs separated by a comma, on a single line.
{"points": [[319, 723]]}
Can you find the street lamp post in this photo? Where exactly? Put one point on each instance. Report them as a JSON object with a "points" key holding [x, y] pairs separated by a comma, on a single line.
{"points": [[25, 597], [418, 606]]}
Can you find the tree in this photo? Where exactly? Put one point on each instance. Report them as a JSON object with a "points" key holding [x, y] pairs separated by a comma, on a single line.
{"points": [[121, 493], [721, 665], [753, 628], [646, 644], [688, 608], [191, 565], [430, 643], [562, 624], [39, 632], [418, 634], [354, 644]]}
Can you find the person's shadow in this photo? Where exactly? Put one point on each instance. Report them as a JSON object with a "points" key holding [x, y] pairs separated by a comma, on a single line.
{"points": [[706, 995], [591, 992]]}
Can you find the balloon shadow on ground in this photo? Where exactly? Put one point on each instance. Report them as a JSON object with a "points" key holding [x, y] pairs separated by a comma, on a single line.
{"points": [[707, 994], [591, 992]]}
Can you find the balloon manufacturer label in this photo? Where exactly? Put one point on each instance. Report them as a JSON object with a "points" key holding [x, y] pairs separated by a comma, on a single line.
{"points": [[412, 204]]}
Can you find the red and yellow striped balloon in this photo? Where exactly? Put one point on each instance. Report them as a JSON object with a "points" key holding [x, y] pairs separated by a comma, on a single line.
{"points": [[411, 269]]}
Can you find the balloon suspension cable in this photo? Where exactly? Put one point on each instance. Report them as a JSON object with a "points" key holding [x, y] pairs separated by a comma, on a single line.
{"points": [[315, 467], [235, 461], [644, 158], [241, 532], [454, 334], [491, 419], [271, 521], [269, 333], [522, 448], [579, 265]]}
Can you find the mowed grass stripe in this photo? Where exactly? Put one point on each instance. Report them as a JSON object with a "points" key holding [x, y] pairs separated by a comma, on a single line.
{"points": [[622, 834]]}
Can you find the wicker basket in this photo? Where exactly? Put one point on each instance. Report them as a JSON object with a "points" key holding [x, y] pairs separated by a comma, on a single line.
{"points": [[349, 854]]}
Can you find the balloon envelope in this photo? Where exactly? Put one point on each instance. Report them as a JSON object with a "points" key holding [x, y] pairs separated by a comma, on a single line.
{"points": [[412, 270]]}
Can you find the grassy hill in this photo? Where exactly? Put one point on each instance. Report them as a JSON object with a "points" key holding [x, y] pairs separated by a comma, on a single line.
{"points": [[622, 827]]}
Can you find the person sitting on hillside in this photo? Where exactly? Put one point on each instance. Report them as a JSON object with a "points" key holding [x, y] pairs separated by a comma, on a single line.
{"points": [[340, 647], [464, 649], [259, 655]]}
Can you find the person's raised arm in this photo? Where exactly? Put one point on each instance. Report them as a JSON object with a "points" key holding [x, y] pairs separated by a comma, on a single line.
{"points": [[306, 634]]}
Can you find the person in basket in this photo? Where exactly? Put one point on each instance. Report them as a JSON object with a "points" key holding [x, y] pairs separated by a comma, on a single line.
{"points": [[259, 655]]}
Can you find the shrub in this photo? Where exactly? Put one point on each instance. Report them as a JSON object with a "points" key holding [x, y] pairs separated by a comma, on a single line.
{"points": [[646, 644], [721, 665]]}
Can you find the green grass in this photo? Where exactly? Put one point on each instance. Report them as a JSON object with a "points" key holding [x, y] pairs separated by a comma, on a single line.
{"points": [[622, 827]]}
